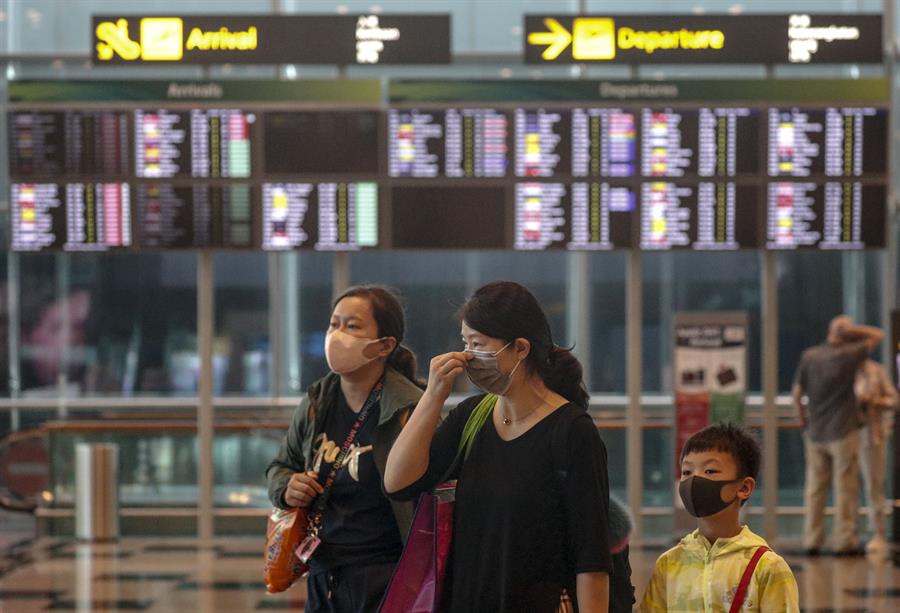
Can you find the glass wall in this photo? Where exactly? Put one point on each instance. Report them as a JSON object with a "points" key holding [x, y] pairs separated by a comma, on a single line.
{"points": [[122, 328]]}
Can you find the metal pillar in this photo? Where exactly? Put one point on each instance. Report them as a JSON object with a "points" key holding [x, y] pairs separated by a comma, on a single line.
{"points": [[769, 283], [340, 274], [13, 288], [275, 324], [65, 353], [578, 308], [889, 272], [634, 416], [292, 305], [205, 411]]}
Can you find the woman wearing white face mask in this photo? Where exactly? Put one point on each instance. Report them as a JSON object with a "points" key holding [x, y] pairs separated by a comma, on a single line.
{"points": [[333, 456], [530, 521]]}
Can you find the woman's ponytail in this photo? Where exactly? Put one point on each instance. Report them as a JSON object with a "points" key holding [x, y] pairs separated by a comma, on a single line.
{"points": [[403, 360], [563, 373]]}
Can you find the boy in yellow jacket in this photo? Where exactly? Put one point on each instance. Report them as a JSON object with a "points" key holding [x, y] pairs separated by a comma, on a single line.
{"points": [[722, 566]]}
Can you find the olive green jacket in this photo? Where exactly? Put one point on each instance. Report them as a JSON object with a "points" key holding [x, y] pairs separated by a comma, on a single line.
{"points": [[398, 398]]}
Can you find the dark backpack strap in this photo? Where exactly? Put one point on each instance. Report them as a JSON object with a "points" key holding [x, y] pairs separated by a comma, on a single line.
{"points": [[741, 594]]}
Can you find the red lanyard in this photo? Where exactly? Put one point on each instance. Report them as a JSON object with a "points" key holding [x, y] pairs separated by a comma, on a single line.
{"points": [[315, 520]]}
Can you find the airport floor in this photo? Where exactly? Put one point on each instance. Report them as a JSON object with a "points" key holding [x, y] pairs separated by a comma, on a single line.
{"points": [[177, 575]]}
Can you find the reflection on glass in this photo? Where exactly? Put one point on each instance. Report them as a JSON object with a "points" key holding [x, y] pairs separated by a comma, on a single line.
{"points": [[108, 324]]}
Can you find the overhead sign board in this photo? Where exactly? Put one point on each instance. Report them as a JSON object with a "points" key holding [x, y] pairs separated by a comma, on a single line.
{"points": [[271, 39], [688, 39]]}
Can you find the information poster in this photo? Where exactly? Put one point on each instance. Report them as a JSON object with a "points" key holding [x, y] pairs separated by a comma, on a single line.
{"points": [[710, 366]]}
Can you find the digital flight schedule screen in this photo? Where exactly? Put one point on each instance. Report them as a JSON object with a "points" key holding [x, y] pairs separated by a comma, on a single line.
{"points": [[322, 216], [77, 143], [576, 216], [455, 143]]}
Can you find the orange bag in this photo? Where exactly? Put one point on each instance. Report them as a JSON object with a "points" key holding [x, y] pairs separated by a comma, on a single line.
{"points": [[285, 531]]}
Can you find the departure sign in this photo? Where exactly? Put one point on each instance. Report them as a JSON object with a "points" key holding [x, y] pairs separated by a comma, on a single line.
{"points": [[323, 216], [690, 39], [834, 215], [78, 143]]}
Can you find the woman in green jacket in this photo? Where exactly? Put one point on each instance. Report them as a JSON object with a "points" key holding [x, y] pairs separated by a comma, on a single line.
{"points": [[333, 456]]}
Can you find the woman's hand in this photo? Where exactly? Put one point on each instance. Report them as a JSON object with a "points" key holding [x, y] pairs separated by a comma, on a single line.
{"points": [[302, 489], [443, 372]]}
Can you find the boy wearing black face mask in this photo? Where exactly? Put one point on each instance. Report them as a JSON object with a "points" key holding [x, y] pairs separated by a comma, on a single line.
{"points": [[721, 566]]}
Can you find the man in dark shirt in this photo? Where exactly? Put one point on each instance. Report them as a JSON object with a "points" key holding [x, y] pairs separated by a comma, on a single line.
{"points": [[825, 401]]}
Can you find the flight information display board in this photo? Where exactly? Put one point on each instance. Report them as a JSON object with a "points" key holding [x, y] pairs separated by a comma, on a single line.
{"points": [[162, 145], [82, 143], [456, 143], [220, 143], [70, 216], [523, 165], [541, 149], [315, 142], [604, 143], [576, 216], [701, 216], [834, 142], [833, 215], [449, 217], [324, 216], [98, 216], [194, 216], [38, 222]]}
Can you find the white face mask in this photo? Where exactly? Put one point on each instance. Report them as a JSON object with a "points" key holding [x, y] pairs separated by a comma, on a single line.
{"points": [[345, 352], [483, 371]]}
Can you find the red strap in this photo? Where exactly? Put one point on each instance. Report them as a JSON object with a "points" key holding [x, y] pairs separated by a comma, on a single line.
{"points": [[741, 594]]}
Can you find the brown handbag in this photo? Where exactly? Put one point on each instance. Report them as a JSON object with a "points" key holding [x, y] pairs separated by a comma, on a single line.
{"points": [[285, 531]]}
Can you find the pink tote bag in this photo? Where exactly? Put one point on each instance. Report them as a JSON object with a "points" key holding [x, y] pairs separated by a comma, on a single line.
{"points": [[419, 576], [416, 586]]}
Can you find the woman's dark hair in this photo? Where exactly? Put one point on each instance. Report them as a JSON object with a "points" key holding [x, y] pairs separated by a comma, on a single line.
{"points": [[508, 311], [391, 321]]}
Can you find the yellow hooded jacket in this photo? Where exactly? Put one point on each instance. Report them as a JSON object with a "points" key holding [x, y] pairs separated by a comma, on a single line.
{"points": [[695, 576]]}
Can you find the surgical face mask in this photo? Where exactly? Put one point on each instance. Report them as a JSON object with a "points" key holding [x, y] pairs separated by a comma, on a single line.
{"points": [[702, 497], [483, 371], [345, 352]]}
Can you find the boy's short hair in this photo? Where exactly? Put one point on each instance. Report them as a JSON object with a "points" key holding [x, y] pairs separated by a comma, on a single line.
{"points": [[728, 438]]}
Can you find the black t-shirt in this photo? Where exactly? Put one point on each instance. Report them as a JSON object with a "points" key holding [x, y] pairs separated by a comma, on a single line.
{"points": [[358, 524], [524, 526]]}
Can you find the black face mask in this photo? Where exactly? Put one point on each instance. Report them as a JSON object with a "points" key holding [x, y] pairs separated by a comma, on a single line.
{"points": [[702, 497]]}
